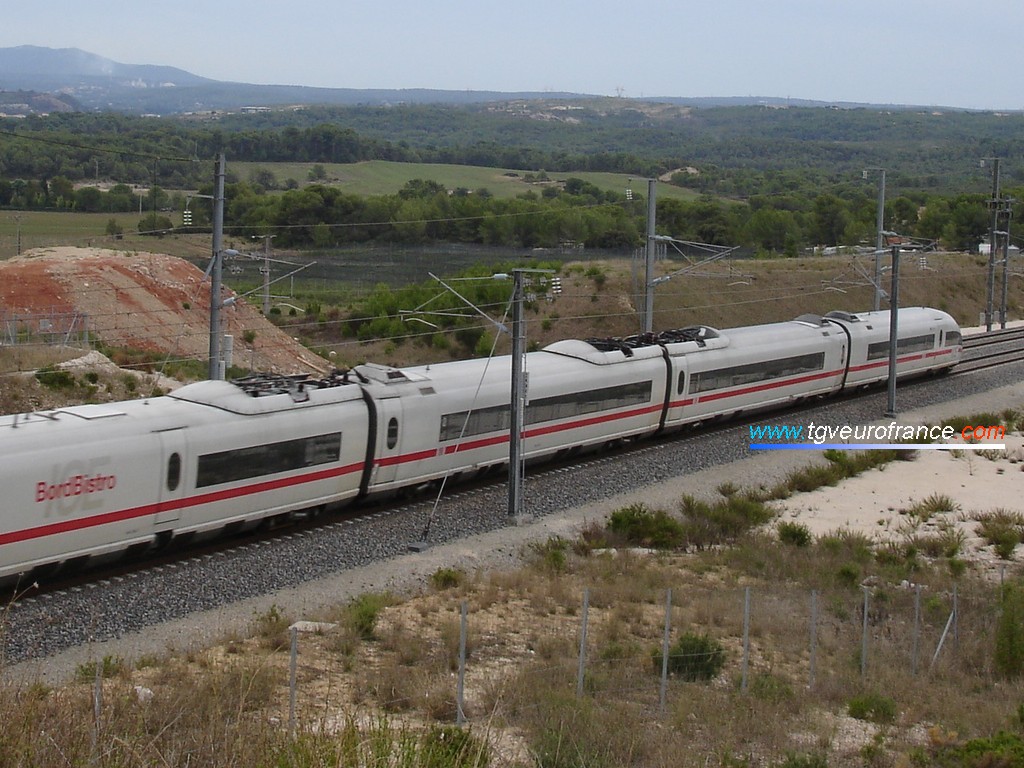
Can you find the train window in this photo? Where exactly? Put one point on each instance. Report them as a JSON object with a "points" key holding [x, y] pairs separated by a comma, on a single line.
{"points": [[880, 349], [681, 386], [267, 459], [455, 425], [738, 375], [953, 338], [173, 471], [392, 433]]}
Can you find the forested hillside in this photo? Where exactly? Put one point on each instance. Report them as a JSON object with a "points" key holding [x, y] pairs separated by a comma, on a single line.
{"points": [[773, 179]]}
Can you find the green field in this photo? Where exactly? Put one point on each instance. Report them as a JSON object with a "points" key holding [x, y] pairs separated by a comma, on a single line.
{"points": [[44, 229], [381, 177], [38, 229]]}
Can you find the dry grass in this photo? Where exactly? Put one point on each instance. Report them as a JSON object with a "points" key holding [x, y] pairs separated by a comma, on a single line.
{"points": [[229, 705]]}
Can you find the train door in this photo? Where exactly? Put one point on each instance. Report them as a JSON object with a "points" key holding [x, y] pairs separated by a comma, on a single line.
{"points": [[172, 474], [390, 428]]}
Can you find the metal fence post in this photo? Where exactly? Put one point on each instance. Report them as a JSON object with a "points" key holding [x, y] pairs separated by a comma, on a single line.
{"points": [[292, 679], [581, 671], [97, 710], [917, 629], [956, 617], [460, 713], [814, 637], [746, 637], [665, 649], [864, 639]]}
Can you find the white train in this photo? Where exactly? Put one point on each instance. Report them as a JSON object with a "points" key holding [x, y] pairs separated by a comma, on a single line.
{"points": [[89, 482]]}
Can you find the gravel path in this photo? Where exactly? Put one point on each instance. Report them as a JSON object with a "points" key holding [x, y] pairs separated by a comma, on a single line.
{"points": [[199, 601]]}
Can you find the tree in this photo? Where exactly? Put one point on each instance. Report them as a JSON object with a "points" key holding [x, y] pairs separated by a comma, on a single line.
{"points": [[89, 200], [831, 217], [155, 224]]}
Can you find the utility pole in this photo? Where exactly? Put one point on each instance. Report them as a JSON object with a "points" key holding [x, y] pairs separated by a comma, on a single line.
{"points": [[214, 372], [879, 241], [879, 234], [1006, 263], [894, 310], [266, 275], [991, 278], [649, 257], [515, 452]]}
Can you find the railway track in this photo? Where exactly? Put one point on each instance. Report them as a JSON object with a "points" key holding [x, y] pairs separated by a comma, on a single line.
{"points": [[992, 349], [981, 351], [105, 607]]}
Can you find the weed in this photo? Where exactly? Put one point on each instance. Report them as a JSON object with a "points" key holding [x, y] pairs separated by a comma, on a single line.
{"points": [[550, 556], [451, 747], [768, 687], [813, 760], [933, 504], [728, 489], [362, 612], [271, 627], [110, 666]]}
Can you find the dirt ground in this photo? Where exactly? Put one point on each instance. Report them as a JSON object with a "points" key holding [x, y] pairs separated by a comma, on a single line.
{"points": [[146, 301]]}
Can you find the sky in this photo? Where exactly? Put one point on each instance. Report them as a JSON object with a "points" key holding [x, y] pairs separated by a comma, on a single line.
{"points": [[955, 53]]}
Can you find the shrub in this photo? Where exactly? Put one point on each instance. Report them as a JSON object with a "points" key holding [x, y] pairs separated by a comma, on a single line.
{"points": [[693, 658], [650, 528], [872, 707], [711, 524], [794, 534], [1009, 653], [1003, 749], [446, 578], [1002, 529], [51, 378]]}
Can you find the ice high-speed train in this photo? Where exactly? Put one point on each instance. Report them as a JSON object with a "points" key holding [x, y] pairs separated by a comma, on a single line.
{"points": [[84, 483]]}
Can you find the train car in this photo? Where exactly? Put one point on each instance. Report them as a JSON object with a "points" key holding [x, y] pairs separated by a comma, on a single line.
{"points": [[454, 418], [89, 482], [929, 342], [718, 374]]}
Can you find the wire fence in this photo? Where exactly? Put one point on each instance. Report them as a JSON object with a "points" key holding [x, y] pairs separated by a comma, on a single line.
{"points": [[541, 657], [485, 661], [54, 328]]}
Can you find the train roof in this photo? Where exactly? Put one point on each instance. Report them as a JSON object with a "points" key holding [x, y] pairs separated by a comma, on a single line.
{"points": [[269, 393]]}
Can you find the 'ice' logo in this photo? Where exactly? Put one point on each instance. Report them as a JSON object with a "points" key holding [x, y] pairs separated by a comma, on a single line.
{"points": [[77, 485]]}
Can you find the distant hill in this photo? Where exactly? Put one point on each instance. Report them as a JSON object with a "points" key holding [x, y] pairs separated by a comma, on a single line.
{"points": [[90, 82], [99, 83]]}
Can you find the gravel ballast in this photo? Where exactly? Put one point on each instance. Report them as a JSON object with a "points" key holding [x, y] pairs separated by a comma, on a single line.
{"points": [[198, 601]]}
